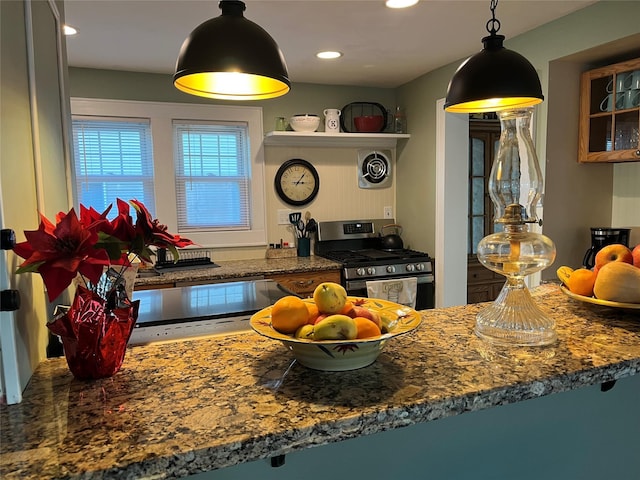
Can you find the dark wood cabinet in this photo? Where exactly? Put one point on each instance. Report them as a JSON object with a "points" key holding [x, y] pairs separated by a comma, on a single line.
{"points": [[483, 285], [306, 282]]}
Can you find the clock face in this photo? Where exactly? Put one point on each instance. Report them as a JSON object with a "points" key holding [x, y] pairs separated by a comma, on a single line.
{"points": [[297, 182]]}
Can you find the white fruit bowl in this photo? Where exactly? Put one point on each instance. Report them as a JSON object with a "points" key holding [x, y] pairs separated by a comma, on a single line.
{"points": [[341, 355], [305, 123]]}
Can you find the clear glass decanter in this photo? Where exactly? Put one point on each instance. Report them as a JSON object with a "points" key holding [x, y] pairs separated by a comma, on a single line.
{"points": [[514, 318]]}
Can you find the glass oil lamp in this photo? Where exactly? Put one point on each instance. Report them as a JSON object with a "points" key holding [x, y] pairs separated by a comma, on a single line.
{"points": [[515, 186]]}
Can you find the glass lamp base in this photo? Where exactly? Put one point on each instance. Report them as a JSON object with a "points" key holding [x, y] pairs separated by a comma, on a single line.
{"points": [[513, 319]]}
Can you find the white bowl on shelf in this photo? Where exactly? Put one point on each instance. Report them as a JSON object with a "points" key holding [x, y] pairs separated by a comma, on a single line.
{"points": [[305, 122]]}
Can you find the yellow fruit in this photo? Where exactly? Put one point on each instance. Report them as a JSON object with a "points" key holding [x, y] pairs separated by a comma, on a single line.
{"points": [[305, 332], [563, 273], [330, 297], [335, 327], [581, 281], [288, 314], [387, 322], [618, 282]]}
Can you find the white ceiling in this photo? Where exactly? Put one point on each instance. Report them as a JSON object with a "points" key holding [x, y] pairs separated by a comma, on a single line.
{"points": [[382, 47]]}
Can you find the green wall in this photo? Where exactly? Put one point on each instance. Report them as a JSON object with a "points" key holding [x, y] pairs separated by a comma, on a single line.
{"points": [[583, 30], [303, 97]]}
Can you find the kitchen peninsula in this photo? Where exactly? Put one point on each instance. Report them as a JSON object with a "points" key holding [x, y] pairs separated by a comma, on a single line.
{"points": [[193, 406]]}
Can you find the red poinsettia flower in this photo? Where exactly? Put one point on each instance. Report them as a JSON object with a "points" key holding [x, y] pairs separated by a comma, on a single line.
{"points": [[117, 236], [153, 233], [60, 252], [87, 244]]}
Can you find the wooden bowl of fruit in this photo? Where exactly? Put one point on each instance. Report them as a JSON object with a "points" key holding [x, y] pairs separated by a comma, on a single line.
{"points": [[333, 331], [614, 280]]}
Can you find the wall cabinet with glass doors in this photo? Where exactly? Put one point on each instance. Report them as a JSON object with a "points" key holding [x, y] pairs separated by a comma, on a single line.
{"points": [[610, 114]]}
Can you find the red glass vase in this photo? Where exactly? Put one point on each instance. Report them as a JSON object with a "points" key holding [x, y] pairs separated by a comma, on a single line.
{"points": [[95, 332]]}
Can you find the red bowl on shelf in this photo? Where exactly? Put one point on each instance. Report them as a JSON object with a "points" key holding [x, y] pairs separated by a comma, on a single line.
{"points": [[369, 123]]}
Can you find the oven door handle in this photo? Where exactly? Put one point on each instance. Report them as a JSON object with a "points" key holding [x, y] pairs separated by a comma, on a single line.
{"points": [[362, 284]]}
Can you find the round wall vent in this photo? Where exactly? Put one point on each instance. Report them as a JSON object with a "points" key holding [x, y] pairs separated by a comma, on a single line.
{"points": [[374, 168]]}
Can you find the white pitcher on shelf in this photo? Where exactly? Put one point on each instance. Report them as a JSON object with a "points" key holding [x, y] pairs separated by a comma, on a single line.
{"points": [[332, 120]]}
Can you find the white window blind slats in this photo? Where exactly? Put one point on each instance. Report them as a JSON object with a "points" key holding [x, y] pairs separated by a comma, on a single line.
{"points": [[113, 159], [212, 175]]}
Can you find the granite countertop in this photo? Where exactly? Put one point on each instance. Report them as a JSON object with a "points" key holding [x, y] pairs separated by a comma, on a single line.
{"points": [[185, 407], [240, 269]]}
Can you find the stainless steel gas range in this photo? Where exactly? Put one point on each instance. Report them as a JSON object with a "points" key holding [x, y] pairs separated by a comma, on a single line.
{"points": [[357, 244]]}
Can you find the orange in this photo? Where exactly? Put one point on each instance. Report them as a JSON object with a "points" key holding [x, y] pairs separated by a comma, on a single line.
{"points": [[312, 308], [581, 282], [348, 306], [288, 314], [366, 328]]}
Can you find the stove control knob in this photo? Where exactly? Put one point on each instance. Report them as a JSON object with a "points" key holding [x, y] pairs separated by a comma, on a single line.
{"points": [[391, 269], [371, 271], [361, 272], [410, 268], [420, 267]]}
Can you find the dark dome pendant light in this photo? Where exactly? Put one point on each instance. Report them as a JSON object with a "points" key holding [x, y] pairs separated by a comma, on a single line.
{"points": [[493, 79], [231, 58]]}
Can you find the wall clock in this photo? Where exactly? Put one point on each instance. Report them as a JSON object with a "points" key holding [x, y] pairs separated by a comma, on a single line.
{"points": [[297, 182]]}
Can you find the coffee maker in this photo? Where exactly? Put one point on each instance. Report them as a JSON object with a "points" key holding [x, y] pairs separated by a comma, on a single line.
{"points": [[601, 237]]}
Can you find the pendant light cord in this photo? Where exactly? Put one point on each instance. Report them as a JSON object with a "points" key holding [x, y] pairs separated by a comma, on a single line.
{"points": [[493, 25]]}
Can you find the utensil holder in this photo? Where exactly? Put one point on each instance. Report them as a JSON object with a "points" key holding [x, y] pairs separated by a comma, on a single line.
{"points": [[304, 247]]}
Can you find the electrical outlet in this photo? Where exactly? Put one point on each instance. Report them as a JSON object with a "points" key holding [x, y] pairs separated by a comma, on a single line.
{"points": [[388, 212], [283, 217]]}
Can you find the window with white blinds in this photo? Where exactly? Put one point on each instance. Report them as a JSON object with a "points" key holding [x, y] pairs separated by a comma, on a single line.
{"points": [[198, 168], [113, 158], [213, 175]]}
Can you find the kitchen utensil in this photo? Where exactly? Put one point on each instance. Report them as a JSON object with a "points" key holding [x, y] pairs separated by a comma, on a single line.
{"points": [[359, 109], [300, 229], [369, 123], [321, 355], [392, 241], [311, 227], [294, 218], [306, 122]]}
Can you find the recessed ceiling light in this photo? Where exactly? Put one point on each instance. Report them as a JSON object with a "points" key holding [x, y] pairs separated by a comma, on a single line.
{"points": [[69, 30], [328, 55], [400, 3]]}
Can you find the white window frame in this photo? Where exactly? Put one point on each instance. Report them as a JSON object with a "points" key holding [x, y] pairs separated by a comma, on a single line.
{"points": [[161, 116]]}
